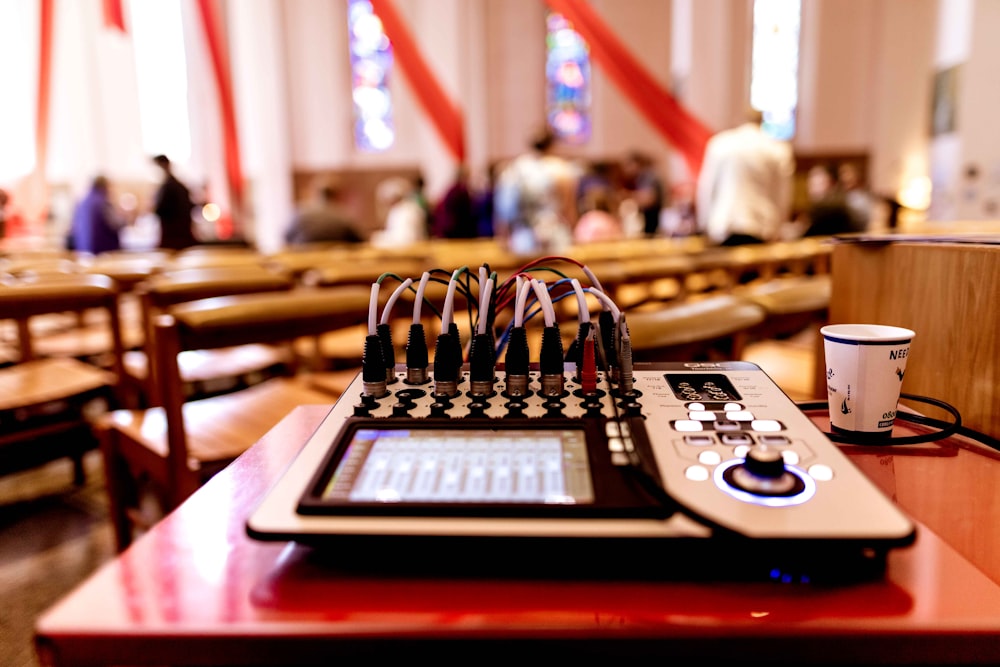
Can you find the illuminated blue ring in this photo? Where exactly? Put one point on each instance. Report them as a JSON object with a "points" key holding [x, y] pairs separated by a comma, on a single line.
{"points": [[767, 501]]}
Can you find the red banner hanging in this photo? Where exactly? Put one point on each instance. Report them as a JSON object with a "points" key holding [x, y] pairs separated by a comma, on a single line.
{"points": [[224, 86], [36, 188], [114, 16], [443, 113]]}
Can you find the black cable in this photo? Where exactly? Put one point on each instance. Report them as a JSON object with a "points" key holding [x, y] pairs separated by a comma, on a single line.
{"points": [[945, 430]]}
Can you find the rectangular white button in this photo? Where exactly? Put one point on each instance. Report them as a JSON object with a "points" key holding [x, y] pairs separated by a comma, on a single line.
{"points": [[687, 425]]}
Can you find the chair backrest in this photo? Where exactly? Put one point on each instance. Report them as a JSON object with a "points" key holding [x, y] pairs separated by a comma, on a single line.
{"points": [[70, 293], [177, 286], [361, 271], [239, 320], [209, 256], [675, 331], [169, 288]]}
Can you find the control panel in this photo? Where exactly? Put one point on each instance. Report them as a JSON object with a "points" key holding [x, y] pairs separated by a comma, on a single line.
{"points": [[736, 464], [694, 468]]}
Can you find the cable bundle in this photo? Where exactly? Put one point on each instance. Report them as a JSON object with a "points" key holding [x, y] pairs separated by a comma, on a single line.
{"points": [[601, 343]]}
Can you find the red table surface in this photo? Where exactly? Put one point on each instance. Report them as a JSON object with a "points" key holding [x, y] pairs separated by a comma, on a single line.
{"points": [[196, 590]]}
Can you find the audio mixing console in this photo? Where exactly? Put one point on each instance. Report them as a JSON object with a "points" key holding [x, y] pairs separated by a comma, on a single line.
{"points": [[708, 461], [582, 459]]}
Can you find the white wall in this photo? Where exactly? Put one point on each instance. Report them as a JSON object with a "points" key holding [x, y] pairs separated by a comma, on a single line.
{"points": [[978, 100]]}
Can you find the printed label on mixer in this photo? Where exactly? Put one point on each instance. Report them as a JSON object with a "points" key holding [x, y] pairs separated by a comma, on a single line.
{"points": [[702, 387]]}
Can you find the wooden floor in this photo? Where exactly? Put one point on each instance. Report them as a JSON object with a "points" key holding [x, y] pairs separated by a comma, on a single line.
{"points": [[53, 534]]}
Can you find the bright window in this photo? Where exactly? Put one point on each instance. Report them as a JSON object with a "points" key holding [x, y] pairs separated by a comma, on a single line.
{"points": [[567, 76], [774, 87], [371, 67], [161, 77], [18, 21]]}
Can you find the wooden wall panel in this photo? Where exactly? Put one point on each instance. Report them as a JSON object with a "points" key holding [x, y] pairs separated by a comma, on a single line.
{"points": [[949, 294]]}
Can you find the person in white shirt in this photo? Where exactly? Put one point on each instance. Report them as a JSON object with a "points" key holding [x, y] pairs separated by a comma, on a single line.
{"points": [[534, 200], [744, 191], [405, 218]]}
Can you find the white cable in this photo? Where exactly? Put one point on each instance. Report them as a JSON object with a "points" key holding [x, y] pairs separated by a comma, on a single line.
{"points": [[392, 299], [593, 278], [606, 300], [419, 300], [449, 301], [373, 309], [522, 297], [581, 301], [542, 294], [518, 286], [484, 306]]}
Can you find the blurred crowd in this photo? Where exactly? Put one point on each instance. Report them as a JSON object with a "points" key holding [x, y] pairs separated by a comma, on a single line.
{"points": [[536, 202]]}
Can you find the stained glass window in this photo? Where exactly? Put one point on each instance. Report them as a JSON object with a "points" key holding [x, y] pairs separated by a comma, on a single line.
{"points": [[371, 67], [774, 86], [567, 75]]}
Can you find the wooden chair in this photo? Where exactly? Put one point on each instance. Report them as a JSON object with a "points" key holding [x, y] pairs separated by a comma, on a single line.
{"points": [[165, 453], [48, 403], [791, 304], [204, 372], [707, 329], [201, 257]]}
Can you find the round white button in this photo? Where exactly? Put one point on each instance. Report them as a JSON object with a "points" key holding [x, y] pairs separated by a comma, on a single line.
{"points": [[790, 457], [710, 458], [696, 473], [821, 472]]}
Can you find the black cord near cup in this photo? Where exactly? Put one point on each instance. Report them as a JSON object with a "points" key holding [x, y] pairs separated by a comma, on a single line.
{"points": [[944, 429]]}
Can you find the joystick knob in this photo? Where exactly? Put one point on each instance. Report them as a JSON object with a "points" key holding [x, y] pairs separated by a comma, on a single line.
{"points": [[764, 461], [763, 473]]}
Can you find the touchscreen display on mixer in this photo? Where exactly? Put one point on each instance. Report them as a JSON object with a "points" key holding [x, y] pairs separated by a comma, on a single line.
{"points": [[702, 387], [463, 466]]}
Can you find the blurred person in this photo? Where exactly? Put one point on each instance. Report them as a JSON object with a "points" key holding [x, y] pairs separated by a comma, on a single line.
{"points": [[418, 192], [644, 185], [482, 201], [326, 218], [454, 216], [173, 206], [4, 200], [533, 204], [827, 213], [597, 223], [405, 222], [96, 224], [11, 221], [596, 176], [744, 190], [859, 200]]}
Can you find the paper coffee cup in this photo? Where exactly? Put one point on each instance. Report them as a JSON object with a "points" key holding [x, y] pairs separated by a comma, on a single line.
{"points": [[865, 365]]}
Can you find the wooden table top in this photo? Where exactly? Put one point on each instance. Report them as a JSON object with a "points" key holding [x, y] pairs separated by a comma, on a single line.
{"points": [[197, 590]]}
